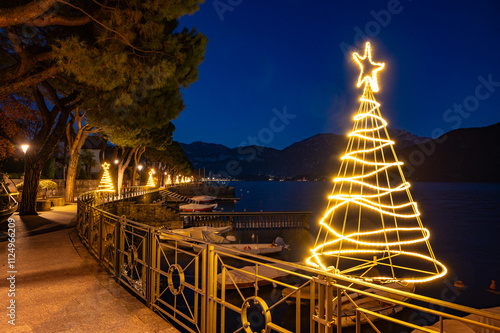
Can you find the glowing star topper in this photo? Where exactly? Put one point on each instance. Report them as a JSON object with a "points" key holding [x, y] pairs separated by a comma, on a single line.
{"points": [[371, 78]]}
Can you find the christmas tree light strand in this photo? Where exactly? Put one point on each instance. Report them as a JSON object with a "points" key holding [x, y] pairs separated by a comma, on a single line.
{"points": [[106, 185], [361, 190]]}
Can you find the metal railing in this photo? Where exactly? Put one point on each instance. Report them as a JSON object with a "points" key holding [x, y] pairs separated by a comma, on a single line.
{"points": [[207, 288], [249, 220]]}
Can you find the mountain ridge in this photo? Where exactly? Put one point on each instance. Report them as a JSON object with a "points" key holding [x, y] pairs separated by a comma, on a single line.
{"points": [[318, 157]]}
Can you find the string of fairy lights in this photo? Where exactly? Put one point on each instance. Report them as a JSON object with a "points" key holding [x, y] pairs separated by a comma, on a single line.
{"points": [[106, 185], [370, 130]]}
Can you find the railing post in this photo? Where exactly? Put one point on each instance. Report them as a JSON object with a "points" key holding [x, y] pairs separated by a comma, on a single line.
{"points": [[339, 310], [151, 267], [99, 238], [118, 237], [358, 321], [210, 291], [204, 294]]}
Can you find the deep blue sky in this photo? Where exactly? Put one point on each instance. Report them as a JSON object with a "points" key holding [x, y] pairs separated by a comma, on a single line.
{"points": [[265, 55]]}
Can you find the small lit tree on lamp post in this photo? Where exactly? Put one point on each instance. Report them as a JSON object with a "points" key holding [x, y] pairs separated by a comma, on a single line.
{"points": [[151, 182], [106, 185]]}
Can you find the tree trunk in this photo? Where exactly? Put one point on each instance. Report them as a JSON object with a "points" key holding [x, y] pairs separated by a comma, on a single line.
{"points": [[134, 176], [122, 166], [32, 172], [74, 154], [137, 158]]}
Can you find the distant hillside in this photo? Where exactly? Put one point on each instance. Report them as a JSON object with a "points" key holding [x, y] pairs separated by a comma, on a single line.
{"points": [[313, 158], [469, 154]]}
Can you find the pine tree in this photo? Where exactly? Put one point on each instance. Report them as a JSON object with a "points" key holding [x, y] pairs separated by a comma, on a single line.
{"points": [[122, 62], [371, 228]]}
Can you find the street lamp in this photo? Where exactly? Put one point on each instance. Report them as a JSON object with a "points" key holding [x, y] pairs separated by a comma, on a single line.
{"points": [[25, 148], [117, 161], [140, 168]]}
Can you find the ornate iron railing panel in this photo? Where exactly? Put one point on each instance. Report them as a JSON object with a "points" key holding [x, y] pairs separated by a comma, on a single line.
{"points": [[209, 288], [249, 220]]}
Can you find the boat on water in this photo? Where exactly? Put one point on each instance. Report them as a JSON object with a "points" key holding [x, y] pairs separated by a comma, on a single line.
{"points": [[261, 248], [213, 235], [202, 233], [354, 300], [204, 199], [455, 326], [252, 276], [194, 207]]}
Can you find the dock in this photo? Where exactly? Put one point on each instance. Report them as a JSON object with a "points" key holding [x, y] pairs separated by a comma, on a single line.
{"points": [[248, 220]]}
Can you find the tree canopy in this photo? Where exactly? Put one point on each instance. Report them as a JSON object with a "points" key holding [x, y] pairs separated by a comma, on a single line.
{"points": [[123, 62]]}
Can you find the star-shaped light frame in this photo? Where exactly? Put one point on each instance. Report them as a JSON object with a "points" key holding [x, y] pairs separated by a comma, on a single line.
{"points": [[366, 78], [105, 166]]}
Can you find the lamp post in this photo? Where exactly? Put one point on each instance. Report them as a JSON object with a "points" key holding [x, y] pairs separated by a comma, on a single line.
{"points": [[24, 148]]}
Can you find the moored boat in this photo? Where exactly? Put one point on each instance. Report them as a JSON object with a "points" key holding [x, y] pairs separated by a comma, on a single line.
{"points": [[261, 248], [202, 233], [251, 276], [193, 207], [204, 199], [349, 304]]}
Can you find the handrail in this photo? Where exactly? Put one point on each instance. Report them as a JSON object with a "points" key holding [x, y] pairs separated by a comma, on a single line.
{"points": [[137, 265], [303, 212]]}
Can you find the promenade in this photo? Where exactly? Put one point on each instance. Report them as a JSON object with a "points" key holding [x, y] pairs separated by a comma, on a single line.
{"points": [[59, 287]]}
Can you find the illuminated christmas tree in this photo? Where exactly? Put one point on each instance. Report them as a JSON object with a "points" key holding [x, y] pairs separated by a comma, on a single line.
{"points": [[151, 182], [371, 228], [106, 185]]}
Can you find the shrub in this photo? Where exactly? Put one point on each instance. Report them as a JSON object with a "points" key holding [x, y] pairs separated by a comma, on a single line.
{"points": [[43, 184]]}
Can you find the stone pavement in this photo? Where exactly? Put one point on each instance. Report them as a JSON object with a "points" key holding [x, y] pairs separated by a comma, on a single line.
{"points": [[59, 287]]}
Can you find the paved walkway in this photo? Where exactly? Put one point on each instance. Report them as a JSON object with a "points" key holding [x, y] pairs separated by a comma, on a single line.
{"points": [[59, 287]]}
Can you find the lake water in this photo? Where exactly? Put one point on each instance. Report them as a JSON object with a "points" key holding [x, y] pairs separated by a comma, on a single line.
{"points": [[463, 218]]}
